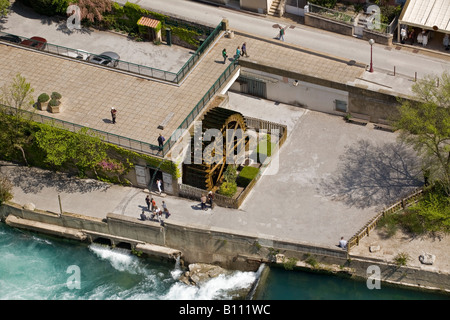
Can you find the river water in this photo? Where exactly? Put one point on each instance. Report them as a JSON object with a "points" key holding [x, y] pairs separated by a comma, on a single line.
{"points": [[38, 267]]}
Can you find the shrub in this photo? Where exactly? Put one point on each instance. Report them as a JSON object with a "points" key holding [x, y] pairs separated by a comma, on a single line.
{"points": [[402, 259], [228, 189], [246, 175], [56, 96], [290, 263], [43, 98]]}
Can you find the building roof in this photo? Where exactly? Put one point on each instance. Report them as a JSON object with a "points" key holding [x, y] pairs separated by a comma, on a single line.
{"points": [[148, 22], [427, 14]]}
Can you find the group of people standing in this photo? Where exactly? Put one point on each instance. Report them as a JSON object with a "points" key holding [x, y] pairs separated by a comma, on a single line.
{"points": [[207, 198], [422, 37], [240, 52], [155, 211]]}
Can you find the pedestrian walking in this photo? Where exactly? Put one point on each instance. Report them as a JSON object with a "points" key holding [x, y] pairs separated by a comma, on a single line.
{"points": [[211, 199], [238, 53], [224, 55], [147, 200], [164, 206], [244, 50], [203, 202], [282, 32], [161, 140], [113, 115], [158, 184]]}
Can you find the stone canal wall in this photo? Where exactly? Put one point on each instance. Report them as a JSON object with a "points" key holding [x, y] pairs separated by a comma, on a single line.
{"points": [[195, 244]]}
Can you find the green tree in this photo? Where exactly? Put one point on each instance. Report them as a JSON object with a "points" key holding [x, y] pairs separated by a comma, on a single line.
{"points": [[18, 95], [425, 125], [4, 7]]}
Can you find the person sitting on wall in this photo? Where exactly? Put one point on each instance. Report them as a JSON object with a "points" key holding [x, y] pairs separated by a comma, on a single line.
{"points": [[343, 243]]}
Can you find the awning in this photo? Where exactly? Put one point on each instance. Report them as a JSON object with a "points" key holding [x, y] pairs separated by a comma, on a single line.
{"points": [[148, 22], [427, 14]]}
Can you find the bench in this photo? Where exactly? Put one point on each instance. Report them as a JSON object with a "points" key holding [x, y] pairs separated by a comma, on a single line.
{"points": [[359, 118], [383, 124]]}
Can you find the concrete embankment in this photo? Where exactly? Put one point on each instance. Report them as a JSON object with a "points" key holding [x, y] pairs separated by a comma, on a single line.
{"points": [[230, 250]]}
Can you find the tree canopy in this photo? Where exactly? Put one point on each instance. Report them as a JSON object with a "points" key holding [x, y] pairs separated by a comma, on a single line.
{"points": [[4, 7], [425, 125]]}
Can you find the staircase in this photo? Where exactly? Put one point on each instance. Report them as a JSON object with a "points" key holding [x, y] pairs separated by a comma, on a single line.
{"points": [[275, 8]]}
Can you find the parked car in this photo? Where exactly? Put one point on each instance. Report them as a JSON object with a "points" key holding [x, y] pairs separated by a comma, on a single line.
{"points": [[107, 58], [78, 54], [11, 38], [35, 42]]}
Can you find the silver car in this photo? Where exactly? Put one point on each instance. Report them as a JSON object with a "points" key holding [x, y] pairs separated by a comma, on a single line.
{"points": [[107, 58]]}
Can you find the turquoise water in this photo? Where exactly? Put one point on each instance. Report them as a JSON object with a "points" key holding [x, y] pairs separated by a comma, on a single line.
{"points": [[36, 267], [283, 285]]}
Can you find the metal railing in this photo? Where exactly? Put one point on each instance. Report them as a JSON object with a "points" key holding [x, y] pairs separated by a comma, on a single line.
{"points": [[199, 106], [124, 65], [196, 56], [83, 55]]}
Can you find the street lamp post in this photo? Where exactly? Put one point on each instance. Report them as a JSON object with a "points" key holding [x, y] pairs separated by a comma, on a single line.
{"points": [[371, 42]]}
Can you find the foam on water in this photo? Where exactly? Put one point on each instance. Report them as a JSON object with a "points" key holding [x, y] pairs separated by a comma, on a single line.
{"points": [[120, 259], [222, 287]]}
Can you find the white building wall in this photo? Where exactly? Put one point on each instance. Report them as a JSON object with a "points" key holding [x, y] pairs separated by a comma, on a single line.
{"points": [[304, 94]]}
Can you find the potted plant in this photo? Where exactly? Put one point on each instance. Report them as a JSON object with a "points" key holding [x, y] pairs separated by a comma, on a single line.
{"points": [[53, 105], [55, 102], [43, 101], [56, 96]]}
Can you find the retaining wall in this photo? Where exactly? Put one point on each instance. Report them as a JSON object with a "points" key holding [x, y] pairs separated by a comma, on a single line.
{"points": [[195, 244], [380, 104]]}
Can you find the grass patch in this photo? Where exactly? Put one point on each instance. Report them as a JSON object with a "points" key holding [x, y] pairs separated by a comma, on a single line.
{"points": [[246, 176]]}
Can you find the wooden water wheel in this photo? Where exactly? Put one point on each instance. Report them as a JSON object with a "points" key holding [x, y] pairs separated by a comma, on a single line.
{"points": [[206, 173]]}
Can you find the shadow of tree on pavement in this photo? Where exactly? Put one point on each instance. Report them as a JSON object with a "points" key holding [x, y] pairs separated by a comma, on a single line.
{"points": [[33, 180], [370, 175]]}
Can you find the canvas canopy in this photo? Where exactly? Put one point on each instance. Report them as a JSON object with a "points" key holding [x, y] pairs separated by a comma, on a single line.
{"points": [[427, 14]]}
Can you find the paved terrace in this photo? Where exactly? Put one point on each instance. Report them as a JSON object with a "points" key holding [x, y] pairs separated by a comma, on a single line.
{"points": [[331, 178], [90, 91]]}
